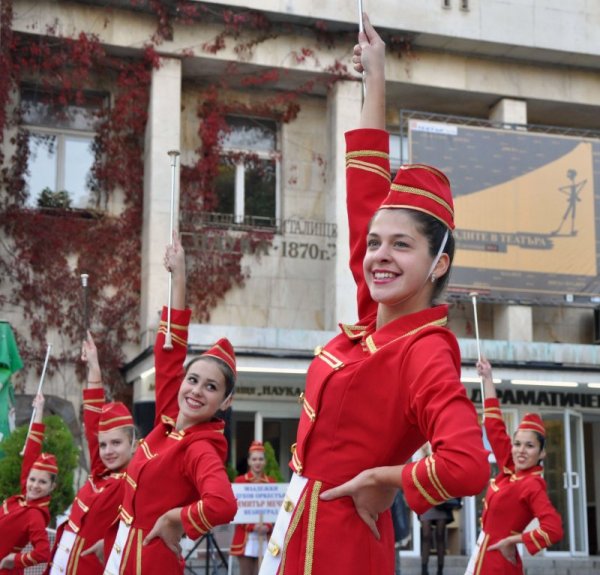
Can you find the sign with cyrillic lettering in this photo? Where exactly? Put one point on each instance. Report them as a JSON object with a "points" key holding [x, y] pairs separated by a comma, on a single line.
{"points": [[258, 502]]}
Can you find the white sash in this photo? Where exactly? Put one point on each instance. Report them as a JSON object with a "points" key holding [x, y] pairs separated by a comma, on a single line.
{"points": [[62, 553], [252, 544], [272, 557], [114, 559], [473, 560]]}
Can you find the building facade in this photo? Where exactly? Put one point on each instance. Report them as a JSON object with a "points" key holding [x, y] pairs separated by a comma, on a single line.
{"points": [[280, 82]]}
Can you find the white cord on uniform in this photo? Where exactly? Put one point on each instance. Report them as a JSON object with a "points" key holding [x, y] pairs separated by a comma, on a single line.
{"points": [[439, 254]]}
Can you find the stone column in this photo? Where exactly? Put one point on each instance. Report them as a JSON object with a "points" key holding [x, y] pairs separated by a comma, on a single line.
{"points": [[258, 426], [163, 133], [512, 322], [344, 103]]}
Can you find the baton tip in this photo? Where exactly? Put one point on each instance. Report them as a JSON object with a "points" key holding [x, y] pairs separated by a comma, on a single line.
{"points": [[168, 345]]}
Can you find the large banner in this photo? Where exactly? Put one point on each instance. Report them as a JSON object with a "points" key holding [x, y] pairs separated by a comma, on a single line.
{"points": [[527, 208]]}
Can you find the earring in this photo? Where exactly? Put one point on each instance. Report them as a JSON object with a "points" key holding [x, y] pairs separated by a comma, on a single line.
{"points": [[432, 278]]}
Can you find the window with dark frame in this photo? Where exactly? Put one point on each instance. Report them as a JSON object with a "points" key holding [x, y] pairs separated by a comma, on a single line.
{"points": [[60, 149], [247, 184]]}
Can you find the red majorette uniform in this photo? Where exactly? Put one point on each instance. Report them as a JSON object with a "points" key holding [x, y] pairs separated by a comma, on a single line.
{"points": [[23, 521], [512, 500], [172, 468], [96, 505], [245, 540], [374, 396]]}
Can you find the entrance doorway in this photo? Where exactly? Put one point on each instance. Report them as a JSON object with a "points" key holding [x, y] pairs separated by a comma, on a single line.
{"points": [[565, 474], [280, 433], [591, 448]]}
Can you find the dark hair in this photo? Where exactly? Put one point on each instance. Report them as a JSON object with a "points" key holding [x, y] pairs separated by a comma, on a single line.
{"points": [[434, 231], [541, 439], [223, 367]]}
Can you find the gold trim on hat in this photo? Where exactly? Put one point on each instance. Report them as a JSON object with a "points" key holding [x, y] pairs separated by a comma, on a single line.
{"points": [[105, 422], [425, 193], [416, 209], [431, 169], [225, 353]]}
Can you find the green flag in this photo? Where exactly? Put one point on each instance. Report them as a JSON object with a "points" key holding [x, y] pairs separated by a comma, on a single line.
{"points": [[10, 362]]}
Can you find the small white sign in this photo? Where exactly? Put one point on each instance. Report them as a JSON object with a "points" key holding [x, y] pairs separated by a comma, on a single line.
{"points": [[258, 502], [433, 127]]}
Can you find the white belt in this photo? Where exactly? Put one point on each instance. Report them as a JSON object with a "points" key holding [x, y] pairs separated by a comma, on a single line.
{"points": [[473, 560], [62, 553], [114, 559], [272, 557]]}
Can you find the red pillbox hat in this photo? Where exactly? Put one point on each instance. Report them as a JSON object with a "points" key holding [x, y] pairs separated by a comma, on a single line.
{"points": [[532, 422], [423, 188], [46, 462], [256, 446], [223, 350], [113, 416]]}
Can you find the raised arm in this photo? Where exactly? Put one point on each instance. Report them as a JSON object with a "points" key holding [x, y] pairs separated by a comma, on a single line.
{"points": [[35, 438], [367, 157], [495, 427], [93, 400], [369, 60], [169, 363]]}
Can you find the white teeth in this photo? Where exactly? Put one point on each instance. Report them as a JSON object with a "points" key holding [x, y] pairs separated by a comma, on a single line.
{"points": [[383, 275]]}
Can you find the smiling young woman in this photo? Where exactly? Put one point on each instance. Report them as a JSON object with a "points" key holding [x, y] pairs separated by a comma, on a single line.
{"points": [[24, 517], [249, 539], [109, 431], [387, 384], [516, 495], [176, 483]]}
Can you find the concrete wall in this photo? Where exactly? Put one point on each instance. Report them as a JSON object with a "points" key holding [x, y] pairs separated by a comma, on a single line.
{"points": [[545, 53]]}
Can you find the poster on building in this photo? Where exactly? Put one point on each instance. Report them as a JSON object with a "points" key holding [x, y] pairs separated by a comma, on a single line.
{"points": [[526, 209]]}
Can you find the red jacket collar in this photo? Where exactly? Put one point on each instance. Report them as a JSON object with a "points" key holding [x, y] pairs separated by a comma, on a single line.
{"points": [[373, 339]]}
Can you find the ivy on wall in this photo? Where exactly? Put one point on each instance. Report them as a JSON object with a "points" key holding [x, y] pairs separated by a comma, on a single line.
{"points": [[44, 250]]}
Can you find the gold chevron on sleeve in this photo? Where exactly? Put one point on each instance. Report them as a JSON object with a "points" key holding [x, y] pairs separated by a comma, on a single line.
{"points": [[177, 326], [433, 477], [368, 167], [420, 488], [545, 536], [176, 339], [373, 153], [202, 516]]}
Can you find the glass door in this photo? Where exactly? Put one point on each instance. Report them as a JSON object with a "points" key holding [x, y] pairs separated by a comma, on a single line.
{"points": [[575, 483], [564, 471]]}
